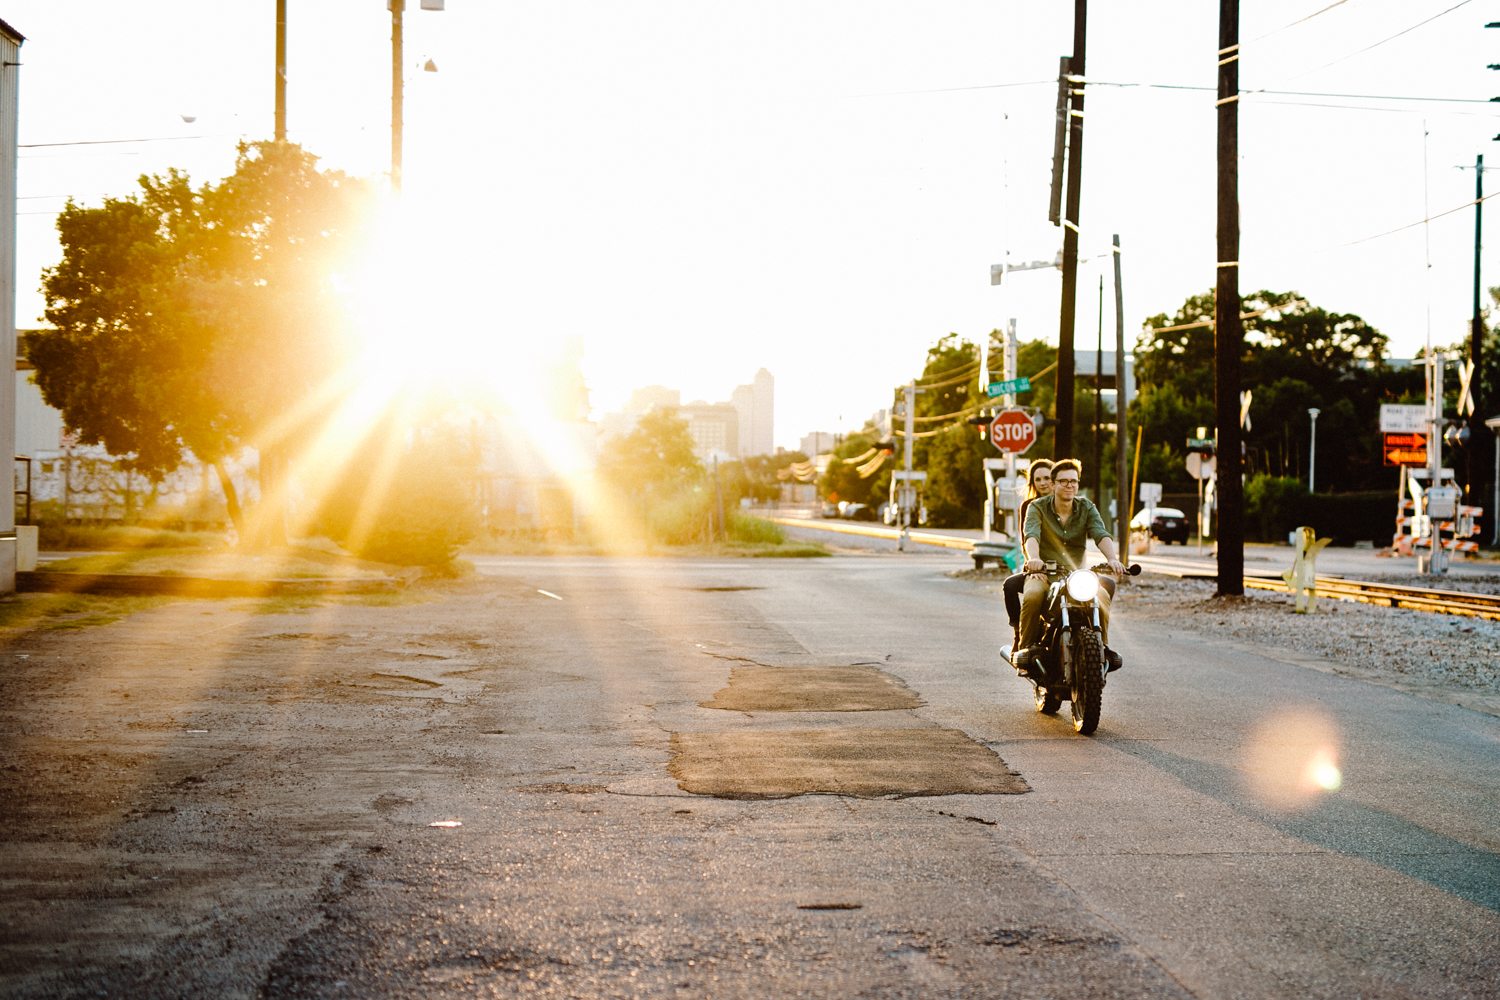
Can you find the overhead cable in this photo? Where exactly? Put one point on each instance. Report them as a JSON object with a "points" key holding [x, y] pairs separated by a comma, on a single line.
{"points": [[1397, 35], [112, 142], [1336, 3]]}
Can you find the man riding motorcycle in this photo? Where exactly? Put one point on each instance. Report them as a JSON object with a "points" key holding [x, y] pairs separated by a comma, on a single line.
{"points": [[1057, 530]]}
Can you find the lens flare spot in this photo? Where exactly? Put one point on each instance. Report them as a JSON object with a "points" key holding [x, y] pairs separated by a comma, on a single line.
{"points": [[1326, 776], [1292, 759]]}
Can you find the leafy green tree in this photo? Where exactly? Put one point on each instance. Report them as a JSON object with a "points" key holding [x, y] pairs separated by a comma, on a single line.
{"points": [[1297, 356], [842, 480], [656, 455], [206, 319]]}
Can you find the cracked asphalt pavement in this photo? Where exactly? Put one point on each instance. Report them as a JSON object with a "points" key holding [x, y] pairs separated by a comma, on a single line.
{"points": [[479, 796]]}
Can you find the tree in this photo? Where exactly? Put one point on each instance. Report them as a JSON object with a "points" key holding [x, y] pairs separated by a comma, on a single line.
{"points": [[205, 320], [657, 455], [1297, 356]]}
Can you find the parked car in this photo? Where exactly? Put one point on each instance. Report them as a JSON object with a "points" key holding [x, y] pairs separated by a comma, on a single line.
{"points": [[1169, 524], [856, 512]]}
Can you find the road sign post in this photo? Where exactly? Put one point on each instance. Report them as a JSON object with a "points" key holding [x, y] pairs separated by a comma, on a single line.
{"points": [[1150, 496]]}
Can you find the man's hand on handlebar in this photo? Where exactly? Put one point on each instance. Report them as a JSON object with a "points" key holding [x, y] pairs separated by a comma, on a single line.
{"points": [[1035, 567], [1116, 567]]}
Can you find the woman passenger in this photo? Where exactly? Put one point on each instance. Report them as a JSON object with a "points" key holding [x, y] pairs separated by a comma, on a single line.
{"points": [[1038, 484]]}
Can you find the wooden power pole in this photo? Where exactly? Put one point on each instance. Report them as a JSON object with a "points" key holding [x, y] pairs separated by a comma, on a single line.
{"points": [[1062, 434], [1228, 332], [397, 95], [281, 70], [1475, 464]]}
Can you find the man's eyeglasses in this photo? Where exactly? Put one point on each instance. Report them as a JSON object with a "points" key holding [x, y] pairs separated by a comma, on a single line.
{"points": [[1064, 482]]}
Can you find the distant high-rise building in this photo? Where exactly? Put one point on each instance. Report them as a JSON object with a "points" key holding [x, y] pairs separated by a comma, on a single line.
{"points": [[642, 400], [714, 427], [818, 443], [743, 401], [756, 404], [744, 426]]}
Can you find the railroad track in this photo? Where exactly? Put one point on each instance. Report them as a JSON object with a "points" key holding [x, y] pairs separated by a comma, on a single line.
{"points": [[1447, 602]]}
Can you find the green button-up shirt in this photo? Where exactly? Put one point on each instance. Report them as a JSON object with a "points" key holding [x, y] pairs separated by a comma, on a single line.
{"points": [[1063, 543]]}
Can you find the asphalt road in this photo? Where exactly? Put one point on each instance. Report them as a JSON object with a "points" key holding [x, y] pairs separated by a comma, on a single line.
{"points": [[287, 851]]}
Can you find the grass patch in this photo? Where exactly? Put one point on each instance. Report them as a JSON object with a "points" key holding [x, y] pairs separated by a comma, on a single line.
{"points": [[291, 562], [65, 611], [118, 538]]}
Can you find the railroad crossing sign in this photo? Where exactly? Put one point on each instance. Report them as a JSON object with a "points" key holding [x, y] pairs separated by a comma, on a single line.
{"points": [[1013, 431], [1010, 388], [1405, 449]]}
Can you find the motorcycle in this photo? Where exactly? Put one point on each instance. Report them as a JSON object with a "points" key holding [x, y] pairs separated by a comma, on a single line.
{"points": [[1072, 662]]}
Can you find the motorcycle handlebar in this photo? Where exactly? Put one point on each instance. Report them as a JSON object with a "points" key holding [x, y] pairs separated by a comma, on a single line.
{"points": [[1132, 570]]}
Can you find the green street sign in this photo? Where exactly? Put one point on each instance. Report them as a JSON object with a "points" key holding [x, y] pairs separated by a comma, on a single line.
{"points": [[1015, 385], [1201, 444]]}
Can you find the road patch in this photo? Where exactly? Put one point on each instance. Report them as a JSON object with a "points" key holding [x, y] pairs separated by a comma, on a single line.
{"points": [[865, 763], [813, 689]]}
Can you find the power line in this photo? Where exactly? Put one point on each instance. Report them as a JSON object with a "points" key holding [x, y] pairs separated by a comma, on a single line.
{"points": [[1397, 35], [1299, 93], [1174, 86], [111, 142], [1336, 3], [1399, 229]]}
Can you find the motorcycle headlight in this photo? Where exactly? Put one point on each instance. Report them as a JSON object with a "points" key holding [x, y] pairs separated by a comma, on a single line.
{"points": [[1083, 585]]}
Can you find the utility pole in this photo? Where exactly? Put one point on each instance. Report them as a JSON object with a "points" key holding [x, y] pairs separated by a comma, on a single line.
{"points": [[1122, 446], [903, 505], [1476, 347], [281, 70], [396, 8], [1098, 403], [1062, 434], [1228, 332]]}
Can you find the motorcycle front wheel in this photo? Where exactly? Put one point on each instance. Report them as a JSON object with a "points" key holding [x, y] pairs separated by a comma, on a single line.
{"points": [[1088, 680]]}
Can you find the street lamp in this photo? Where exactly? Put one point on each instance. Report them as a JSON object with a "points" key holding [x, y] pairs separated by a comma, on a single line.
{"points": [[397, 8], [1312, 451]]}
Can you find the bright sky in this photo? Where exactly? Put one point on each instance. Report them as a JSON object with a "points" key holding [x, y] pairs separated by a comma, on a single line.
{"points": [[700, 190]]}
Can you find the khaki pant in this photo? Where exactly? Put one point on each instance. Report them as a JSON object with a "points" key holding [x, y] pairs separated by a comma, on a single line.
{"points": [[1035, 594]]}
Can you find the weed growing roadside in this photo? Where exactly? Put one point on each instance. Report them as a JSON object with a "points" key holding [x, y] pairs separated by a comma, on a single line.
{"points": [[60, 611]]}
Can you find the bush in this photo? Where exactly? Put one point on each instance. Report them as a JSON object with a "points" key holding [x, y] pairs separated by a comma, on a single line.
{"points": [[756, 530], [1275, 505], [680, 517], [420, 517], [116, 538]]}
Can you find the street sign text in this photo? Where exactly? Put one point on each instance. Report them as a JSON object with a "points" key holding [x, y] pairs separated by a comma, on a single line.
{"points": [[1405, 449], [1010, 388], [1013, 431]]}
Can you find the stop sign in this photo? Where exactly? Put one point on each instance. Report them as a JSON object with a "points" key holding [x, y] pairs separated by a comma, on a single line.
{"points": [[1013, 431]]}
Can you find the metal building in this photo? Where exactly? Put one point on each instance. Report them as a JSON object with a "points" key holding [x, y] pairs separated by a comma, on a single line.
{"points": [[10, 78]]}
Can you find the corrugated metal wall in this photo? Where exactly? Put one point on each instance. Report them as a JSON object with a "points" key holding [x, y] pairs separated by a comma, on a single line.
{"points": [[10, 79]]}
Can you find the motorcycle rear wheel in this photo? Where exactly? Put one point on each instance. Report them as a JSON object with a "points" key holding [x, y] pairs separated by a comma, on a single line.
{"points": [[1046, 702], [1088, 680]]}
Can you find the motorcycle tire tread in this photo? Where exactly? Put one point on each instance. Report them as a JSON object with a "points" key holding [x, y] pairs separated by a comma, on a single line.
{"points": [[1088, 685]]}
